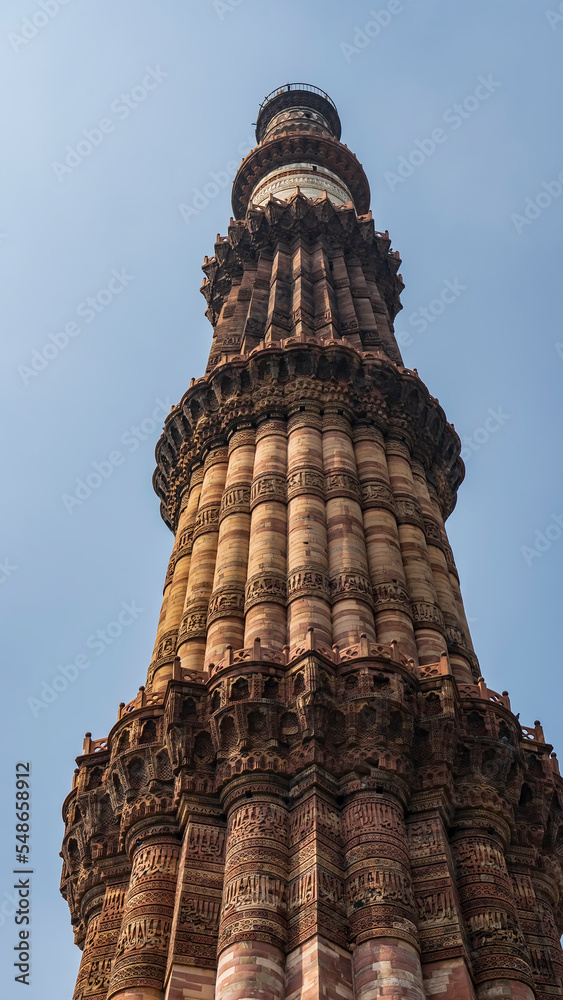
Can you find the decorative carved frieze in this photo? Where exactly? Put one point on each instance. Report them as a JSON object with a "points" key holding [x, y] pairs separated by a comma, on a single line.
{"points": [[265, 588], [207, 519], [305, 481], [341, 483], [427, 614], [267, 487], [225, 602], [350, 585], [236, 500], [194, 622], [308, 580], [392, 594], [408, 511], [375, 494]]}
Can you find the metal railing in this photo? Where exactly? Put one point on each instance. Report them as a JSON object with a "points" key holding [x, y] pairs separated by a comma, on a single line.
{"points": [[297, 86]]}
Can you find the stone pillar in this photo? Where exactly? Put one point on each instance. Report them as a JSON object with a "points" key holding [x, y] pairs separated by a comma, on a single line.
{"points": [[352, 597], [497, 944], [225, 618], [266, 586], [280, 295], [381, 909], [140, 958], [547, 898], [541, 935], [307, 561], [193, 629], [175, 593], [427, 616], [393, 614], [466, 642], [253, 931], [454, 626], [445, 959], [319, 962], [192, 956], [93, 974]]}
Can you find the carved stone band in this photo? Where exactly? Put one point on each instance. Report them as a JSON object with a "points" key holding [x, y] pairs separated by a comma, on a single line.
{"points": [[167, 646], [265, 588], [427, 614], [267, 488], [194, 622], [305, 481], [350, 585], [185, 542], [226, 603], [392, 595], [235, 501], [433, 532], [377, 493], [308, 580], [408, 511], [207, 519], [342, 483]]}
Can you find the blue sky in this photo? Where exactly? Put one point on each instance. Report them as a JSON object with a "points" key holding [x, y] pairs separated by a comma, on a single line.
{"points": [[177, 87]]}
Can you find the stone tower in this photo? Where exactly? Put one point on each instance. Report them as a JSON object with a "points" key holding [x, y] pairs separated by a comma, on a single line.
{"points": [[315, 795]]}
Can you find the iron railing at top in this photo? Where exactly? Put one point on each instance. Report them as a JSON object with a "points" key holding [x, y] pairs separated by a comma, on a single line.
{"points": [[296, 86]]}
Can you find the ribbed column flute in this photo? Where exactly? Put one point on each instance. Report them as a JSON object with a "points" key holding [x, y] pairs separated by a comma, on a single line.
{"points": [[488, 905], [93, 979], [393, 615], [141, 954], [266, 587], [175, 594], [225, 619], [193, 629], [428, 621], [380, 897], [453, 626], [307, 560], [253, 929], [458, 601], [351, 591]]}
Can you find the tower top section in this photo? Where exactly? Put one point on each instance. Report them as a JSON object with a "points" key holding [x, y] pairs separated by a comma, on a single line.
{"points": [[298, 133], [297, 107]]}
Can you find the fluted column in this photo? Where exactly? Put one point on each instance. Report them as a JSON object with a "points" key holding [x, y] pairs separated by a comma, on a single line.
{"points": [[225, 618], [349, 325], [307, 560], [326, 310], [352, 598], [319, 962], [93, 978], [445, 959], [380, 897], [140, 957], [428, 620], [192, 953], [175, 593], [258, 309], [193, 628], [253, 931], [393, 615], [541, 935], [266, 587], [302, 303], [277, 323], [485, 891], [453, 628], [466, 640]]}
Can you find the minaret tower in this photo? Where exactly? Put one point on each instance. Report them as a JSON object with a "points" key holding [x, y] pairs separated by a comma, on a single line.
{"points": [[315, 795]]}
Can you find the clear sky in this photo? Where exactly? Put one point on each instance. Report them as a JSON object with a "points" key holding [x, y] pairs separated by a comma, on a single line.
{"points": [[114, 115]]}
